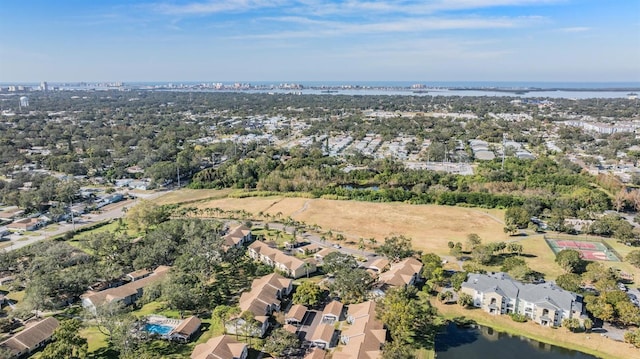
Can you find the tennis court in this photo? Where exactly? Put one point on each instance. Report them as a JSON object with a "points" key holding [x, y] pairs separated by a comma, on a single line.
{"points": [[591, 251]]}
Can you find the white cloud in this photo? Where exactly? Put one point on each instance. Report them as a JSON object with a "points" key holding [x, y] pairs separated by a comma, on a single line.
{"points": [[213, 7], [574, 29], [349, 7], [312, 28]]}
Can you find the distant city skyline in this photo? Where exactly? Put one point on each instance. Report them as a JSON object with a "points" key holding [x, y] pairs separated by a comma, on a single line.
{"points": [[320, 40]]}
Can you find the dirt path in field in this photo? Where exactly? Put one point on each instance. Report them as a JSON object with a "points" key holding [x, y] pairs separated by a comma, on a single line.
{"points": [[305, 206]]}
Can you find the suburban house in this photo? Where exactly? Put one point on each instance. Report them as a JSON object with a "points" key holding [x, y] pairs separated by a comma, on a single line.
{"points": [[32, 338], [404, 273], [296, 314], [237, 236], [545, 303], [292, 266], [26, 224], [379, 265], [309, 249], [319, 256], [126, 294], [262, 300], [322, 337], [365, 335], [222, 347], [186, 330], [332, 312]]}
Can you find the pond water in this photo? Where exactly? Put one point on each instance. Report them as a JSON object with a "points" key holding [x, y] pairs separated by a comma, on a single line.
{"points": [[483, 342]]}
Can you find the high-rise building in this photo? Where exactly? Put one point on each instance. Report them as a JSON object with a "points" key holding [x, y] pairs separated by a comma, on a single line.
{"points": [[24, 101], [44, 86]]}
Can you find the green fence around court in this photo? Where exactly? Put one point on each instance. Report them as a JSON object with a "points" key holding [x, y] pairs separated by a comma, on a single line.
{"points": [[551, 241]]}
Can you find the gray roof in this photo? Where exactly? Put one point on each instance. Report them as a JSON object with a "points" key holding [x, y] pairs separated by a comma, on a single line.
{"points": [[546, 295], [499, 283], [549, 295]]}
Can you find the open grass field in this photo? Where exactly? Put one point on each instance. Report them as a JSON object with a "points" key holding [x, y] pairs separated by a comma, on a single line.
{"points": [[592, 343], [430, 226]]}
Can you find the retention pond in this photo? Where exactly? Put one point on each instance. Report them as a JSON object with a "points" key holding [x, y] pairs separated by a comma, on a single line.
{"points": [[480, 342]]}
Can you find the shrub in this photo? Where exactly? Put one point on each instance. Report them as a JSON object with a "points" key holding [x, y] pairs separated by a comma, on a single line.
{"points": [[517, 317]]}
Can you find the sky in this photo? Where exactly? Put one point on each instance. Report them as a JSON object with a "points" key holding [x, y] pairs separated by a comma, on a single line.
{"points": [[320, 40]]}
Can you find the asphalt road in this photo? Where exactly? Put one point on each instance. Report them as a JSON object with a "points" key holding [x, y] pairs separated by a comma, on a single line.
{"points": [[112, 211]]}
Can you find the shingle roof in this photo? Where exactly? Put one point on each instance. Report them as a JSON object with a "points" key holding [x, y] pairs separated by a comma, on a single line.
{"points": [[263, 293], [188, 326], [546, 295], [128, 289], [323, 332], [334, 308], [222, 347], [32, 335], [365, 333], [236, 235], [290, 262], [316, 353], [296, 312], [401, 273], [500, 283]]}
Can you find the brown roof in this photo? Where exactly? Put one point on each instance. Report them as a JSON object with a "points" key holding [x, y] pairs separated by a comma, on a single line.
{"points": [[401, 273], [188, 326], [323, 332], [297, 312], [290, 262], [310, 248], [32, 335], [128, 289], [362, 317], [367, 346], [379, 264], [316, 353], [222, 347], [326, 251], [334, 308], [365, 333], [290, 328], [23, 223], [140, 273], [236, 235], [263, 293]]}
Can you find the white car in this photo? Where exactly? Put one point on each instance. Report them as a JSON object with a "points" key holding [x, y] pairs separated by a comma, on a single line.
{"points": [[337, 246]]}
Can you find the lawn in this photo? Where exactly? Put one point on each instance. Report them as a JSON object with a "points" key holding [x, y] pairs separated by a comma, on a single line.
{"points": [[95, 338], [591, 343], [274, 235], [81, 238], [430, 226]]}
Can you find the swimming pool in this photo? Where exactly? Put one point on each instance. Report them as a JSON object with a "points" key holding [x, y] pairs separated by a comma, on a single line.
{"points": [[158, 329]]}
